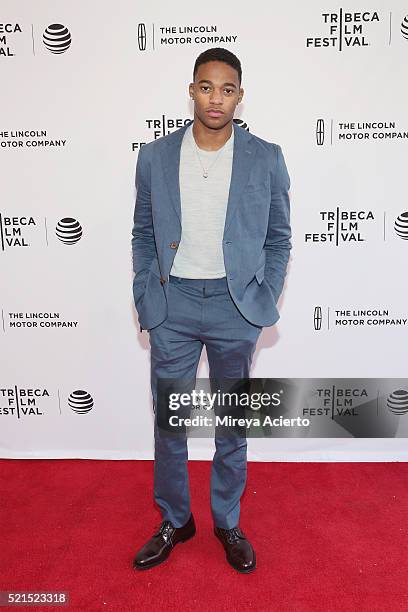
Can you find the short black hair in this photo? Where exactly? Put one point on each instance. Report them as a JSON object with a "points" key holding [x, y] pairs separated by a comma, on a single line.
{"points": [[218, 54]]}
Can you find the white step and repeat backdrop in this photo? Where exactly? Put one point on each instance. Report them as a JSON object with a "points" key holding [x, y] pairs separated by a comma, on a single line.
{"points": [[83, 86]]}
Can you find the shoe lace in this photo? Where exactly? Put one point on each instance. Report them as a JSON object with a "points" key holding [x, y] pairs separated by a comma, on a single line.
{"points": [[165, 526], [165, 530], [233, 535]]}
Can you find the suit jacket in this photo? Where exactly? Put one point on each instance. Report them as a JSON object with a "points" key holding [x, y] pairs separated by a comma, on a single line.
{"points": [[257, 233]]}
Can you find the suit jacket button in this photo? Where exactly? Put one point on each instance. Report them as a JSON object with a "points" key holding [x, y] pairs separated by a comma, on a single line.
{"points": [[162, 280], [173, 245]]}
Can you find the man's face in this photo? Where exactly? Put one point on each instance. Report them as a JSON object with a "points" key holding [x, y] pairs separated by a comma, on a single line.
{"points": [[216, 93]]}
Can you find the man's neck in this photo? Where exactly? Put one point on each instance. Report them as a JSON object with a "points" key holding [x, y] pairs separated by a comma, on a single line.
{"points": [[209, 139]]}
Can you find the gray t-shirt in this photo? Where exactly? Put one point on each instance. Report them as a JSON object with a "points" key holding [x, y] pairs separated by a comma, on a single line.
{"points": [[203, 208]]}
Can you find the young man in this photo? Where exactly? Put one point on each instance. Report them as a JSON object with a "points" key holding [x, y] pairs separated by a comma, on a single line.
{"points": [[211, 242]]}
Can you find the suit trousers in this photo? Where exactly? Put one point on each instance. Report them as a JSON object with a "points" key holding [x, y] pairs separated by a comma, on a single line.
{"points": [[200, 312]]}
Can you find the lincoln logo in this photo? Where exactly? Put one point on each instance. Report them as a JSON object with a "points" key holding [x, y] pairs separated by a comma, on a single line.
{"points": [[401, 225], [320, 132], [57, 38], [397, 401], [80, 401], [141, 36], [68, 230], [404, 27], [317, 318]]}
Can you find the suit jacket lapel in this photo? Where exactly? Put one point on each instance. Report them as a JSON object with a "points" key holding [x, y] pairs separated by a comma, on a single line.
{"points": [[170, 155], [243, 157]]}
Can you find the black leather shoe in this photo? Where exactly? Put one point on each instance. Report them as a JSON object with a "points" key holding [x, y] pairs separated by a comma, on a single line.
{"points": [[159, 547], [239, 551]]}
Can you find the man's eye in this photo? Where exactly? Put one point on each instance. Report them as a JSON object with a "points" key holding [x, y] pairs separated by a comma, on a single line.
{"points": [[205, 87], [228, 91]]}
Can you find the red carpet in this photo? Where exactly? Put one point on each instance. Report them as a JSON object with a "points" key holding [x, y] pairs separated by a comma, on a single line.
{"points": [[328, 536]]}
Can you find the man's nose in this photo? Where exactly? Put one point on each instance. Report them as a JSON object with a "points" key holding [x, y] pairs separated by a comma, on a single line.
{"points": [[216, 97]]}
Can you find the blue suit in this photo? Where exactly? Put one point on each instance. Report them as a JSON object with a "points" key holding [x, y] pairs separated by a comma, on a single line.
{"points": [[257, 232], [224, 314]]}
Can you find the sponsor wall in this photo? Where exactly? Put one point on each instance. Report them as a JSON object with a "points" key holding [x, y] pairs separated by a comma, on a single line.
{"points": [[84, 86]]}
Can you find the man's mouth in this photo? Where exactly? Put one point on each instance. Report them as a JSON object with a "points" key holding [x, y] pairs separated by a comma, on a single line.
{"points": [[215, 113]]}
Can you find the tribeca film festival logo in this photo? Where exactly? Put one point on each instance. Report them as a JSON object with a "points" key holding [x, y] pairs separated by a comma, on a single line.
{"points": [[355, 401], [372, 318], [29, 139], [165, 125], [8, 35], [330, 132], [14, 38], [341, 226], [23, 232], [148, 37], [335, 401], [20, 402], [344, 226], [347, 29]]}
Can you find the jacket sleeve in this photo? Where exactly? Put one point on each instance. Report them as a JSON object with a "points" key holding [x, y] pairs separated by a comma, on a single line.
{"points": [[143, 243], [278, 243]]}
